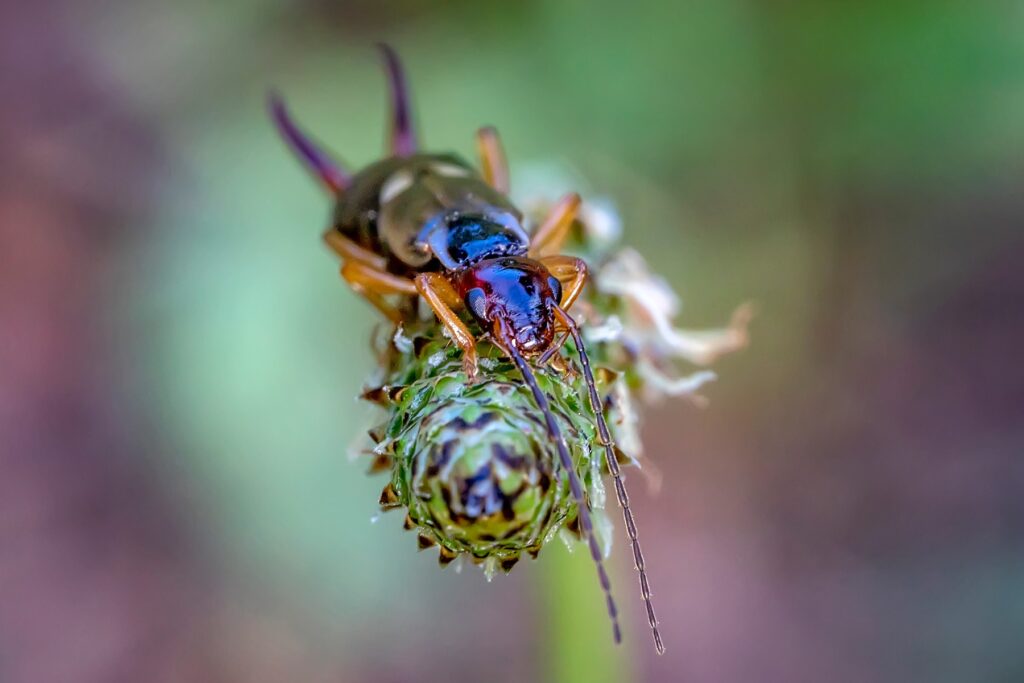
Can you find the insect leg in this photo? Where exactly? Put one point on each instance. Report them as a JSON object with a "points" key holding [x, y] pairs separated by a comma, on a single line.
{"points": [[613, 467], [372, 283], [550, 236], [329, 172], [492, 159], [571, 272], [403, 132], [441, 296], [349, 250]]}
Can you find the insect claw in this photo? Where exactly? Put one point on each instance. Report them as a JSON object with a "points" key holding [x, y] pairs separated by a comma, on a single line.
{"points": [[470, 367], [562, 366]]}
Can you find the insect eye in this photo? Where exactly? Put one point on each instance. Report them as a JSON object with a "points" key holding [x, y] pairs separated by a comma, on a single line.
{"points": [[556, 288], [476, 301]]}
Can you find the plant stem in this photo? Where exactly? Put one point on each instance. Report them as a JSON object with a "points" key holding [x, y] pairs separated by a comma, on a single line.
{"points": [[577, 642]]}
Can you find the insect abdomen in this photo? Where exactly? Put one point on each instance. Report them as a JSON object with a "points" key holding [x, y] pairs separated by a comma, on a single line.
{"points": [[387, 204]]}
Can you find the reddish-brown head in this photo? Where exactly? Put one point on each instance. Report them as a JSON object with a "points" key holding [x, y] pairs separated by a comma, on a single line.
{"points": [[516, 291]]}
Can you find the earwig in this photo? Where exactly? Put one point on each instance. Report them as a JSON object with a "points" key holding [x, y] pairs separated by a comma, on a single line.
{"points": [[429, 225]]}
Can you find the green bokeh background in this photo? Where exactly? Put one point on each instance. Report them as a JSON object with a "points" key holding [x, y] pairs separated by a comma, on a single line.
{"points": [[843, 510]]}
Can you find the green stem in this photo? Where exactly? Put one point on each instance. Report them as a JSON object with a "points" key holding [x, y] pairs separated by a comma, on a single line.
{"points": [[577, 643]]}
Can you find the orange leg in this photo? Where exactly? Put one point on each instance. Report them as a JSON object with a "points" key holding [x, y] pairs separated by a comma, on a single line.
{"points": [[571, 272], [349, 250], [492, 159], [372, 283], [551, 234], [441, 296]]}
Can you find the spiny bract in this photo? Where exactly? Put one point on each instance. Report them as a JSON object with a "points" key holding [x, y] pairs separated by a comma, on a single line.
{"points": [[472, 463]]}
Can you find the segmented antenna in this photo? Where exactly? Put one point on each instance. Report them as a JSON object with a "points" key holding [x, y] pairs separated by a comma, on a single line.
{"points": [[327, 170], [403, 133], [613, 466], [582, 507]]}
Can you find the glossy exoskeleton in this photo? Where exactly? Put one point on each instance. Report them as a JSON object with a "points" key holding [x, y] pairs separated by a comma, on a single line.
{"points": [[430, 225]]}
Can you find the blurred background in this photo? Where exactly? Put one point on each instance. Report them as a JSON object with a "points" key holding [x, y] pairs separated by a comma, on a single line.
{"points": [[179, 359]]}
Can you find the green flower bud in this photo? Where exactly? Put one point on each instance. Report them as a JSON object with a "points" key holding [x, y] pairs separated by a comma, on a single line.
{"points": [[472, 463]]}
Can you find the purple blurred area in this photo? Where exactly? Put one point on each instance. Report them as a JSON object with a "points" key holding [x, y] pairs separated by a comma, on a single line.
{"points": [[849, 507], [98, 577]]}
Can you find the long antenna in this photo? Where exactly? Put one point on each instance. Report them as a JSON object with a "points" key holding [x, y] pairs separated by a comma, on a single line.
{"points": [[613, 466], [329, 172], [582, 509], [403, 132]]}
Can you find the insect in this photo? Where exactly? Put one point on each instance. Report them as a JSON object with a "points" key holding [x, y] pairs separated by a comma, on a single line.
{"points": [[425, 225]]}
